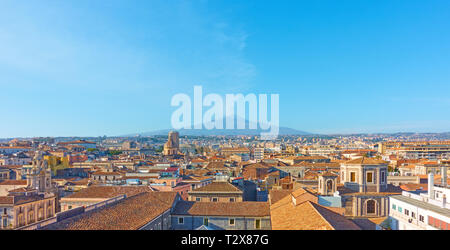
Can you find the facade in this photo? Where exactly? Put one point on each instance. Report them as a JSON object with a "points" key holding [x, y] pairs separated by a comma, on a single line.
{"points": [[365, 192], [218, 191], [258, 154], [23, 209], [189, 215], [299, 210], [431, 150]]}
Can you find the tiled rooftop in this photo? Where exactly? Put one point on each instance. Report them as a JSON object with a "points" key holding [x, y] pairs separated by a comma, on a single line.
{"points": [[256, 209], [108, 191], [129, 214], [221, 186], [307, 216]]}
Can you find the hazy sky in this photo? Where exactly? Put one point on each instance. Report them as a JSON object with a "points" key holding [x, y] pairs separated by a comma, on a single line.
{"points": [[91, 67]]}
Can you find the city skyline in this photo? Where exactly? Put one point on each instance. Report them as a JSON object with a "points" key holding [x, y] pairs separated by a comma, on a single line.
{"points": [[83, 68]]}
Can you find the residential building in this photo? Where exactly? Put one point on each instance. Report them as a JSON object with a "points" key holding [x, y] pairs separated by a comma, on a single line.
{"points": [[190, 215], [218, 191]]}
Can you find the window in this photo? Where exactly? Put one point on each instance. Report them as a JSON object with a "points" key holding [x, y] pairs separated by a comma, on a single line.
{"points": [[257, 223], [180, 220], [421, 218], [232, 200], [5, 222], [197, 199], [383, 177], [369, 177], [400, 209], [407, 212], [413, 215], [205, 221], [394, 206], [215, 199], [231, 222], [352, 176], [4, 210], [370, 209], [70, 207]]}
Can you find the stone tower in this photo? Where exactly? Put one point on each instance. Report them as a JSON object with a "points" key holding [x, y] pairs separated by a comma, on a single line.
{"points": [[327, 183], [39, 176]]}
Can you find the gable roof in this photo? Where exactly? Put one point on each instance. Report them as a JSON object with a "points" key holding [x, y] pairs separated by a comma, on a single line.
{"points": [[129, 214], [307, 216], [366, 161], [218, 186], [105, 192], [14, 182]]}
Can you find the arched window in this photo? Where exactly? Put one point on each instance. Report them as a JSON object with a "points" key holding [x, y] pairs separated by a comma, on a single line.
{"points": [[371, 205], [329, 186], [49, 212], [21, 220], [31, 217], [40, 214]]}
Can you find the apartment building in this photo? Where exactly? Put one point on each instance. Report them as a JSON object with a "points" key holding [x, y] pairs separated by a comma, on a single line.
{"points": [[417, 210]]}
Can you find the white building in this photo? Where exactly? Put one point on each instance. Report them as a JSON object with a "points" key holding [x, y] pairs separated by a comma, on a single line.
{"points": [[258, 154], [422, 210]]}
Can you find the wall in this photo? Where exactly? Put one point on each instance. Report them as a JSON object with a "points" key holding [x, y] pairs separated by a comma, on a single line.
{"points": [[220, 223]]}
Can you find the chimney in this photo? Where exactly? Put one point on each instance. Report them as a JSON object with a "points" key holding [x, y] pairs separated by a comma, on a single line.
{"points": [[444, 175], [431, 186]]}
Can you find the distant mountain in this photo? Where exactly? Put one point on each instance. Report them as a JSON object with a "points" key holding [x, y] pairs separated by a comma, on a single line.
{"points": [[212, 132], [223, 132]]}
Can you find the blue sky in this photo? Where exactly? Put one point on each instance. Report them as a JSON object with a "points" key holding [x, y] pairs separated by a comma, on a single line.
{"points": [[91, 67]]}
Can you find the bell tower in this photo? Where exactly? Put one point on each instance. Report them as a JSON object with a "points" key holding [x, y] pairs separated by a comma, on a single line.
{"points": [[327, 183]]}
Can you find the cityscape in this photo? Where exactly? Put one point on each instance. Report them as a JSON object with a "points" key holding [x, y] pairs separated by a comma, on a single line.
{"points": [[242, 118], [176, 182]]}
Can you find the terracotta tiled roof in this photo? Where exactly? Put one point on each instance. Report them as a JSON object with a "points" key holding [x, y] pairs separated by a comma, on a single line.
{"points": [[6, 200], [108, 191], [257, 165], [307, 216], [106, 173], [219, 186], [128, 214], [318, 157], [216, 165], [246, 208], [366, 161], [328, 173], [414, 187], [390, 190], [318, 164], [14, 182], [196, 178], [76, 142], [276, 195]]}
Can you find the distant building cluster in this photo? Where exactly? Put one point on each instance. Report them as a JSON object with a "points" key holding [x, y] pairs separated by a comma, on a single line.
{"points": [[176, 182]]}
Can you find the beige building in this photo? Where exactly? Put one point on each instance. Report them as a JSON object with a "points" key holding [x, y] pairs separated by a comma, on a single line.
{"points": [[219, 191], [23, 209], [96, 194]]}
